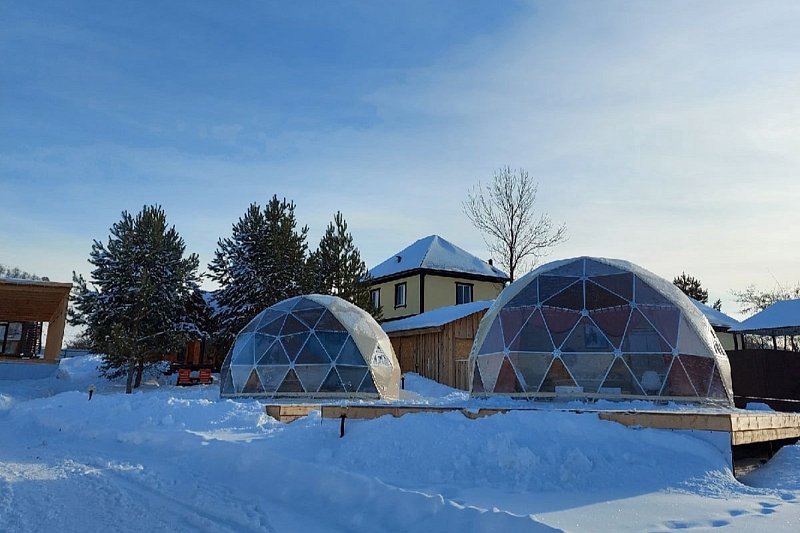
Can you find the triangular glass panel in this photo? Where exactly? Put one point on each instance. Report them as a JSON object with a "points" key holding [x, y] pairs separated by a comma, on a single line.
{"points": [[700, 371], [351, 376], [332, 341], [493, 342], [274, 326], [589, 370], [291, 383], [286, 305], [665, 319], [529, 295], [332, 383], [268, 315], [253, 384], [227, 383], [311, 376], [512, 320], [689, 342], [645, 294], [599, 298], [328, 322], [250, 326], [477, 382], [531, 368], [507, 379], [309, 317], [240, 373], [560, 323], [613, 322], [350, 355], [641, 336], [620, 381], [262, 344], [573, 268], [650, 370], [293, 343], [292, 326], [598, 268], [552, 285], [490, 366], [557, 376], [272, 376], [306, 303], [569, 298], [586, 337], [274, 355], [619, 284], [717, 389], [678, 383], [368, 385], [312, 353], [533, 337], [243, 350]]}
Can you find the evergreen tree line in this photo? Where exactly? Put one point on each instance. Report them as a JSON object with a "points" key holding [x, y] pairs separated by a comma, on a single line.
{"points": [[142, 299]]}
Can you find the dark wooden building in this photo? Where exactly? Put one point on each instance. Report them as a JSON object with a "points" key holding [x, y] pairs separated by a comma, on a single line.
{"points": [[436, 344]]}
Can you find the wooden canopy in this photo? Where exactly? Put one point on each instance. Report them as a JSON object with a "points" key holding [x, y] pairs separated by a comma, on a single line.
{"points": [[37, 301]]}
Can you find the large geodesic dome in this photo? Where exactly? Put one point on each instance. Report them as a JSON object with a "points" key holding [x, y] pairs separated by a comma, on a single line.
{"points": [[598, 328], [311, 346]]}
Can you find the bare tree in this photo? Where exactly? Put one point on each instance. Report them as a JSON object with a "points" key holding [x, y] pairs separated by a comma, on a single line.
{"points": [[504, 212], [753, 300]]}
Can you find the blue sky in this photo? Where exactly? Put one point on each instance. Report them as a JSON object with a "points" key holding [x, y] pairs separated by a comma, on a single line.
{"points": [[665, 133]]}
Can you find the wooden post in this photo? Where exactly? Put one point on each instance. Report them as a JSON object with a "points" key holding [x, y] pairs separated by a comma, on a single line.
{"points": [[55, 331], [341, 425]]}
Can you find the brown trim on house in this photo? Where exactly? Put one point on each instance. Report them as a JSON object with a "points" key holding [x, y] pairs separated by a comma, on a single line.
{"points": [[397, 318], [441, 273], [422, 292]]}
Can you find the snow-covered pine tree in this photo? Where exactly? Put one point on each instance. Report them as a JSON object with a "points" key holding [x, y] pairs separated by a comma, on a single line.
{"points": [[260, 264], [336, 267], [136, 310]]}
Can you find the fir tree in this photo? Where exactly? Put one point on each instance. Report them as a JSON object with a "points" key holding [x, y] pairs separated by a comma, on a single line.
{"points": [[691, 287], [135, 311], [336, 267], [261, 264]]}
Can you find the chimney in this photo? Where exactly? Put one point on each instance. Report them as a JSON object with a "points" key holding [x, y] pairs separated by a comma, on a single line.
{"points": [[490, 262], [398, 258]]}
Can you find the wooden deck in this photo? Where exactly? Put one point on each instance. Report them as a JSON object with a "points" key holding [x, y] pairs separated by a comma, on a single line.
{"points": [[744, 427]]}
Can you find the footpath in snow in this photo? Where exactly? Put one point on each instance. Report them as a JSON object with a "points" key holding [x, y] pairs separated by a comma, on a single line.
{"points": [[181, 459]]}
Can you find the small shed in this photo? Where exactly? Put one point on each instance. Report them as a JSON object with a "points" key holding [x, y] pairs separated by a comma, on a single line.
{"points": [[436, 344]]}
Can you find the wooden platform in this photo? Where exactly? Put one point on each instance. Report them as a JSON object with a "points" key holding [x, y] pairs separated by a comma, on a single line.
{"points": [[744, 427]]}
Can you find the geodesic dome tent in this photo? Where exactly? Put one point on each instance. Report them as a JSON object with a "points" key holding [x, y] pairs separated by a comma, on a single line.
{"points": [[311, 346], [598, 328]]}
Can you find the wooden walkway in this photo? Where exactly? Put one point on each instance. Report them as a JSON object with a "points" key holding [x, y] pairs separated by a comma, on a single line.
{"points": [[744, 427]]}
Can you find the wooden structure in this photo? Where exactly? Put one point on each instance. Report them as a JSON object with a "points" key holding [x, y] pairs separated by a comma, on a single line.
{"points": [[436, 344], [766, 376], [752, 436], [37, 301]]}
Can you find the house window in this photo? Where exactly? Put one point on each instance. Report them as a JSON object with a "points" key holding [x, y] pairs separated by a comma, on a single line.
{"points": [[400, 295], [463, 293], [375, 297]]}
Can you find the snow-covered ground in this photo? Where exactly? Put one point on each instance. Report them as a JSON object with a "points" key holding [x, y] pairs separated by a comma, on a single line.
{"points": [[172, 459]]}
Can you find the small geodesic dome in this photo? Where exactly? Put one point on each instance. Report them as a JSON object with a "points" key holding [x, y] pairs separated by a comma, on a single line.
{"points": [[311, 346], [598, 328]]}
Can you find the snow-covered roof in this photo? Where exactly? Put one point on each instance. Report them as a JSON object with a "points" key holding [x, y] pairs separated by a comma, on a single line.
{"points": [[784, 315], [436, 253], [717, 319], [437, 317]]}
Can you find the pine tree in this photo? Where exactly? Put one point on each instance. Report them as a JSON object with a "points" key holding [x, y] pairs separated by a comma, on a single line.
{"points": [[691, 287], [261, 264], [136, 310], [336, 267]]}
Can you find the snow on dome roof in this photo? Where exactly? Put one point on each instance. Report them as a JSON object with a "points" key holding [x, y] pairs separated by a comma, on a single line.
{"points": [[437, 317], [783, 315], [435, 253], [598, 328], [311, 346]]}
